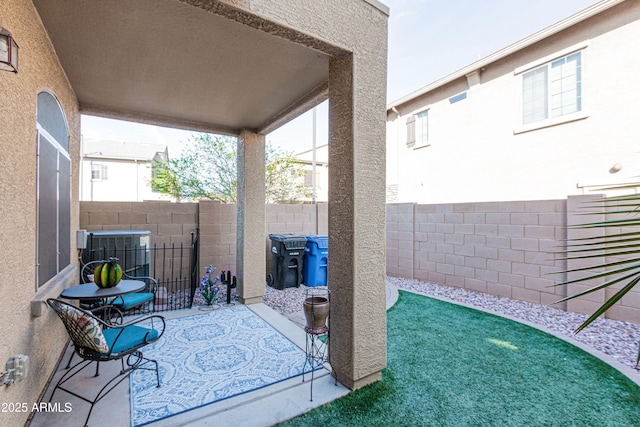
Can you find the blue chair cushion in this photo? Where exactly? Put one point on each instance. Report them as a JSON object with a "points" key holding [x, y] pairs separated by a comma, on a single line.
{"points": [[132, 336], [125, 302]]}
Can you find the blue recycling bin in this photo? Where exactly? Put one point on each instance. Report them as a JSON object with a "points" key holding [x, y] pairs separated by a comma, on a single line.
{"points": [[316, 260]]}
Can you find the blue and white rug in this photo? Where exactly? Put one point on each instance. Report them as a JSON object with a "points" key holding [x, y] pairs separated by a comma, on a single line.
{"points": [[210, 357]]}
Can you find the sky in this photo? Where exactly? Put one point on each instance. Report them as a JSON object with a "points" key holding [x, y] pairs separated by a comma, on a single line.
{"points": [[427, 40]]}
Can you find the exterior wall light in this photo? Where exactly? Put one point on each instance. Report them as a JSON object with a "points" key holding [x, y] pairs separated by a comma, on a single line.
{"points": [[8, 51]]}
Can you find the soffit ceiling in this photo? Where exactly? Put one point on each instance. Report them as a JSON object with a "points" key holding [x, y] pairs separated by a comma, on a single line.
{"points": [[171, 63]]}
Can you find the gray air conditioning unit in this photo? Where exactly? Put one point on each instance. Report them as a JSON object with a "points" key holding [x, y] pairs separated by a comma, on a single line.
{"points": [[131, 247]]}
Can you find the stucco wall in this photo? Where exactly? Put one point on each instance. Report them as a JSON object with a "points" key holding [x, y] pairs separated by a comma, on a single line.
{"points": [[476, 152], [41, 338]]}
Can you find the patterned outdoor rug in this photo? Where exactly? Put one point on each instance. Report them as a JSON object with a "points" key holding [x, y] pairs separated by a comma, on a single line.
{"points": [[210, 357]]}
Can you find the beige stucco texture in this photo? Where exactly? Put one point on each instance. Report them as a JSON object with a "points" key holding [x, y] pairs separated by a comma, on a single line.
{"points": [[251, 217], [41, 338]]}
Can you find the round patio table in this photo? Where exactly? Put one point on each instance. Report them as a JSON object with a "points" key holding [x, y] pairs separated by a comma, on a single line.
{"points": [[91, 291]]}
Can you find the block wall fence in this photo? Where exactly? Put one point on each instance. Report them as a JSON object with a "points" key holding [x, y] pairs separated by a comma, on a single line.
{"points": [[173, 223], [500, 248]]}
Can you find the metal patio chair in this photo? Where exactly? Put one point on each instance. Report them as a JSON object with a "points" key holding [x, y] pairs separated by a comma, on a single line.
{"points": [[96, 341], [127, 302]]}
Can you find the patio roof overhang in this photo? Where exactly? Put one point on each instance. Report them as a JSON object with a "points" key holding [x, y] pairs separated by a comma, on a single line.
{"points": [[183, 64]]}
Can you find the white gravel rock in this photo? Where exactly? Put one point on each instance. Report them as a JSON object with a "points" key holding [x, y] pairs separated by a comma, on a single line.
{"points": [[288, 300]]}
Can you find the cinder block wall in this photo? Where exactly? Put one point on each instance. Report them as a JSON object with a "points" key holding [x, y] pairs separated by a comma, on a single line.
{"points": [[503, 249], [171, 226], [580, 211], [400, 239], [217, 235], [169, 223], [173, 223]]}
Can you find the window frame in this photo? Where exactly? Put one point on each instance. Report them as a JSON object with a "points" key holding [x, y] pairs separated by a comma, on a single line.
{"points": [[422, 123], [415, 130], [547, 61], [102, 169], [46, 142]]}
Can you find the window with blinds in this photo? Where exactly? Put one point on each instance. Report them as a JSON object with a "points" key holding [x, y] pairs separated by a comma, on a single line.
{"points": [[99, 172], [553, 89]]}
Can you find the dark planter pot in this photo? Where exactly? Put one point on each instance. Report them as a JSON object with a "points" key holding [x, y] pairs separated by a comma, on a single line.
{"points": [[316, 312]]}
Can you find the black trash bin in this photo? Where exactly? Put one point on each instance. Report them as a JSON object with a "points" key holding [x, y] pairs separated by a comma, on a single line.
{"points": [[288, 252]]}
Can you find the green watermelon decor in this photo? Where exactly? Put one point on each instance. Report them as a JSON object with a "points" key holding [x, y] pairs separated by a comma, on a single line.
{"points": [[108, 274]]}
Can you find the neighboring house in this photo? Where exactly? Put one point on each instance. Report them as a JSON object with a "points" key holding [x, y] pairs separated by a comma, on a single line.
{"points": [[552, 115], [109, 169], [322, 172]]}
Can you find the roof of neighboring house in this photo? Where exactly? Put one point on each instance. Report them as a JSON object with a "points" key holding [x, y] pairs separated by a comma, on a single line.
{"points": [[124, 150], [502, 53], [322, 155]]}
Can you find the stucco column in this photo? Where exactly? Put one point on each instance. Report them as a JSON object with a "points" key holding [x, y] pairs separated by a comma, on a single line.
{"points": [[251, 256], [357, 218]]}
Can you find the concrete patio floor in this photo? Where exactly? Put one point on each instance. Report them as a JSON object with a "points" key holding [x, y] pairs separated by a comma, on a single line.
{"points": [[263, 407]]}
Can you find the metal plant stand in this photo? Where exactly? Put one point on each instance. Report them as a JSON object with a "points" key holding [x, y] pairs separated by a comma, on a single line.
{"points": [[317, 331]]}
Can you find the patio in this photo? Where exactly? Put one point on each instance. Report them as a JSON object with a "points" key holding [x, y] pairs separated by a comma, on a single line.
{"points": [[261, 407]]}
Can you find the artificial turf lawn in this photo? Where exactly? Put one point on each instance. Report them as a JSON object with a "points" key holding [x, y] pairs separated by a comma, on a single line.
{"points": [[449, 365]]}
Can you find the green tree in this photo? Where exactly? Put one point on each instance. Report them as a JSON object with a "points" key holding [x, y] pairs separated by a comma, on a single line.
{"points": [[207, 169], [284, 177]]}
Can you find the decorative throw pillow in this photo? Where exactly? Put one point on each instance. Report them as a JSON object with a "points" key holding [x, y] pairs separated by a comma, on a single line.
{"points": [[90, 331]]}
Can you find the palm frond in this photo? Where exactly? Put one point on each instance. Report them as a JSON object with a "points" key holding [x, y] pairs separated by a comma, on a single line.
{"points": [[596, 288], [599, 240], [610, 223], [615, 253], [608, 304]]}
